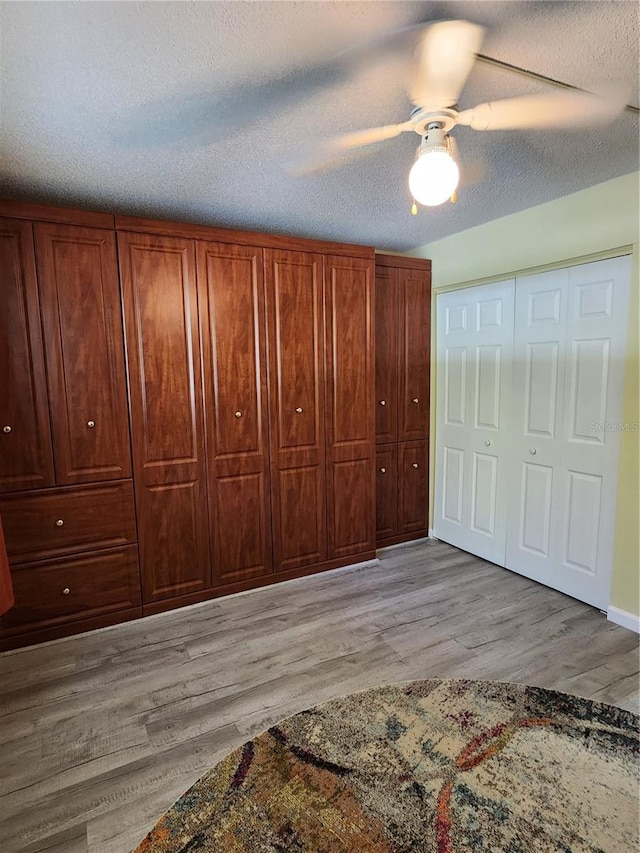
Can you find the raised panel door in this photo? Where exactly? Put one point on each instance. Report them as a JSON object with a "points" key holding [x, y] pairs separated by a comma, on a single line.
{"points": [[386, 491], [414, 330], [386, 347], [163, 348], [413, 491], [26, 460], [294, 291], [231, 291], [82, 323], [350, 386]]}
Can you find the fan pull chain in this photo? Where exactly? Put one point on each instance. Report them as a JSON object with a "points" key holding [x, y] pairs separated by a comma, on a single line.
{"points": [[414, 208]]}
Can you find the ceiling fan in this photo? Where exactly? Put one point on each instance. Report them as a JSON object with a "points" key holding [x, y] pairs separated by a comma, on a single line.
{"points": [[443, 58]]}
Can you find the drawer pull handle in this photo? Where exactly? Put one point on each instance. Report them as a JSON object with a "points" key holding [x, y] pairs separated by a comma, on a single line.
{"points": [[414, 464], [383, 470], [6, 429], [299, 410], [383, 402], [238, 414], [66, 590], [59, 522], [416, 400], [91, 424]]}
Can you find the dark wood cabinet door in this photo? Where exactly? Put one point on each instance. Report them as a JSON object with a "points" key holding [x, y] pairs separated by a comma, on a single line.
{"points": [[158, 276], [413, 488], [386, 345], [231, 292], [294, 289], [350, 396], [26, 461], [386, 491], [415, 353], [82, 322]]}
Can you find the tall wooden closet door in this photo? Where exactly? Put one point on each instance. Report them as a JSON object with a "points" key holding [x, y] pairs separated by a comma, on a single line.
{"points": [[414, 327], [350, 405], [296, 351], [386, 348], [25, 439], [231, 287], [82, 322], [161, 310]]}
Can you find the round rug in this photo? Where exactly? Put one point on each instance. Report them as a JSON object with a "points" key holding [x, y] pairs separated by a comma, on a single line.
{"points": [[431, 766]]}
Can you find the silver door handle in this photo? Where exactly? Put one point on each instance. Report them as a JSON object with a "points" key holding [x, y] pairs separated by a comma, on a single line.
{"points": [[487, 443], [533, 451]]}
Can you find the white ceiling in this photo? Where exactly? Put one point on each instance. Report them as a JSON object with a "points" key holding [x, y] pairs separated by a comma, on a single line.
{"points": [[194, 110]]}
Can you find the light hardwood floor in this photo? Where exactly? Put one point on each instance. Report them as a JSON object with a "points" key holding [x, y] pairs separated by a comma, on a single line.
{"points": [[100, 733]]}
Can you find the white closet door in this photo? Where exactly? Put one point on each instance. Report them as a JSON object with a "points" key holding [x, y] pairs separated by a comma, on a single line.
{"points": [[538, 395], [570, 344], [474, 349]]}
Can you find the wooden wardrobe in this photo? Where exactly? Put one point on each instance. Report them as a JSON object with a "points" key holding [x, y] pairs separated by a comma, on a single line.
{"points": [[186, 412], [402, 365]]}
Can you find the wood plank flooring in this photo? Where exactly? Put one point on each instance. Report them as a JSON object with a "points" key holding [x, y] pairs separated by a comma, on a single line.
{"points": [[100, 733]]}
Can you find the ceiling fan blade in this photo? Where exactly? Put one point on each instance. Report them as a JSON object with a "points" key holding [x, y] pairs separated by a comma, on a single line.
{"points": [[333, 153], [562, 109], [445, 55], [369, 136]]}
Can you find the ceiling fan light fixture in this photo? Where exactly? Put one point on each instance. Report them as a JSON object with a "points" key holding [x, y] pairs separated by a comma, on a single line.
{"points": [[434, 176]]}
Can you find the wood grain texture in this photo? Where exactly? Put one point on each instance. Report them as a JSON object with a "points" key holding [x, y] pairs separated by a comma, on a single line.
{"points": [[232, 316], [82, 323], [350, 393], [101, 733], [413, 486], [414, 346], [26, 458], [295, 314], [386, 491], [51, 213], [386, 350], [98, 516], [158, 279], [211, 233], [403, 262]]}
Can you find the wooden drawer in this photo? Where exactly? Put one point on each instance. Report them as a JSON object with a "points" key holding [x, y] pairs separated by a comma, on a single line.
{"points": [[64, 590], [92, 517]]}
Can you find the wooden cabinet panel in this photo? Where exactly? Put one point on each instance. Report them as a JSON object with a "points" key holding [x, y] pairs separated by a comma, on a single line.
{"points": [[413, 492], [231, 292], [350, 402], [58, 591], [26, 460], [415, 337], [82, 322], [386, 347], [386, 491], [61, 521], [294, 295], [158, 276]]}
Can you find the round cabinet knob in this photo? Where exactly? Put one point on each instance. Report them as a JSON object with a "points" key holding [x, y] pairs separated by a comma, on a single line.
{"points": [[91, 424], [59, 522], [533, 451], [6, 429], [299, 410], [415, 400], [382, 403], [383, 470], [238, 414], [414, 465], [66, 590], [487, 443]]}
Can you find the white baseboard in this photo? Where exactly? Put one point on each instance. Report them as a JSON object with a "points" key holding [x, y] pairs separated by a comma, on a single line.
{"points": [[431, 534], [624, 618]]}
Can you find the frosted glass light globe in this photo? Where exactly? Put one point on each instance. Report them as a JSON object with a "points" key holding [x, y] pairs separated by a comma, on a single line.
{"points": [[433, 177]]}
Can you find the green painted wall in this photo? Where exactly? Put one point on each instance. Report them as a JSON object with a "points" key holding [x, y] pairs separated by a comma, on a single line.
{"points": [[583, 226]]}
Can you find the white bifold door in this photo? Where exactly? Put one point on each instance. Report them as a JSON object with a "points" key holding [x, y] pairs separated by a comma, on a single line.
{"points": [[551, 503], [475, 360]]}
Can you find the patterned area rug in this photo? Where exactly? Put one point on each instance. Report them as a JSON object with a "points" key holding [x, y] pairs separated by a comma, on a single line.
{"points": [[429, 766]]}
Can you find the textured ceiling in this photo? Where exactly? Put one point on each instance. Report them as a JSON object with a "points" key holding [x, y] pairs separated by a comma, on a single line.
{"points": [[194, 111]]}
